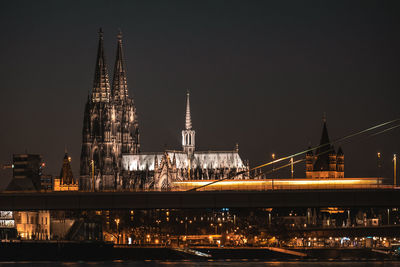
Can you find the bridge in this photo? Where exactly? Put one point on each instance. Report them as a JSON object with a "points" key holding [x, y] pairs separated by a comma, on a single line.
{"points": [[378, 197]]}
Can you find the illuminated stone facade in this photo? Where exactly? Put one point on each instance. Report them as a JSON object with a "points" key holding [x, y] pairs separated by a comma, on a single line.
{"points": [[110, 126], [325, 163], [33, 224], [161, 169]]}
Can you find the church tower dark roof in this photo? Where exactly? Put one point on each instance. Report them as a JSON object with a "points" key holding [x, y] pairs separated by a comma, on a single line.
{"points": [[322, 153], [66, 175]]}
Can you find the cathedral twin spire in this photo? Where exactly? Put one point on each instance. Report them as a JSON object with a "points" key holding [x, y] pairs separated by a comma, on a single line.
{"points": [[101, 86], [110, 126]]}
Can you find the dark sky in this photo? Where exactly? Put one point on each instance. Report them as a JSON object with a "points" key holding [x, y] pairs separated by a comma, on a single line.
{"points": [[260, 73]]}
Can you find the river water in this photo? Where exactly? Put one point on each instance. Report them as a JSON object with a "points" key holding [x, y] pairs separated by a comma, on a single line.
{"points": [[207, 263]]}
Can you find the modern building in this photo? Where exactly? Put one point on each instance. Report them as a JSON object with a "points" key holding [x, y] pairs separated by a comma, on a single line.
{"points": [[27, 172], [325, 162], [161, 170], [110, 125], [66, 181]]}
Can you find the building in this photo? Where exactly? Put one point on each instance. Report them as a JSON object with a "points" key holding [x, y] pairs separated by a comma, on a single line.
{"points": [[7, 226], [325, 162], [66, 181], [46, 182], [161, 170], [33, 224], [110, 158], [27, 172], [110, 125]]}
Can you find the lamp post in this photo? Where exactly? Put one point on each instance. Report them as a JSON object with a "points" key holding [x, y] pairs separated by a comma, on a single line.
{"points": [[291, 167], [117, 222], [273, 170], [379, 162], [378, 155], [92, 164], [388, 213], [394, 170]]}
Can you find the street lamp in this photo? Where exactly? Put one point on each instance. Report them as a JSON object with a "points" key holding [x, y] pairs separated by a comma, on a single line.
{"points": [[291, 167], [388, 214], [117, 222], [379, 165], [92, 164], [394, 170], [273, 170]]}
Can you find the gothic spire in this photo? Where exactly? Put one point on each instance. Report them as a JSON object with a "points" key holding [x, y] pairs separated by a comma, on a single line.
{"points": [[120, 86], [101, 84], [188, 121], [66, 175], [325, 147], [324, 137]]}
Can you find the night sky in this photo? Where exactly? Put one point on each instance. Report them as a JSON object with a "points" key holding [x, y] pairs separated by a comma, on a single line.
{"points": [[260, 73]]}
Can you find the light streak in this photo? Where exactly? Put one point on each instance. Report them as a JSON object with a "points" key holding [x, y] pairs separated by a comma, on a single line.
{"points": [[388, 129], [307, 150], [286, 183], [333, 142]]}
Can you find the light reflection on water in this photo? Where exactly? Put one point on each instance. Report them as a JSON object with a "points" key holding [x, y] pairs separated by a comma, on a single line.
{"points": [[240, 263]]}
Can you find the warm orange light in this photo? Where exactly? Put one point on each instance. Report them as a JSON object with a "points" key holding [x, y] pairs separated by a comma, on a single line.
{"points": [[278, 183]]}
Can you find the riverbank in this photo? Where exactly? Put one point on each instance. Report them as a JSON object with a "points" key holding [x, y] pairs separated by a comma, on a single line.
{"points": [[100, 251]]}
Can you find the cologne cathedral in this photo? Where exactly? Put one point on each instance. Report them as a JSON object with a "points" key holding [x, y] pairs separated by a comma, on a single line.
{"points": [[110, 125], [110, 156]]}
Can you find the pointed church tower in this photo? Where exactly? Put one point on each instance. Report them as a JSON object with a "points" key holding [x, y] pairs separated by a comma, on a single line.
{"points": [[120, 86], [340, 163], [110, 126], [66, 175], [309, 162], [101, 84], [323, 151], [125, 121], [188, 135], [66, 181], [327, 163]]}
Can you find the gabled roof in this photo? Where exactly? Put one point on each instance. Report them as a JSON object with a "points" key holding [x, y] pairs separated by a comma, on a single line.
{"points": [[203, 160]]}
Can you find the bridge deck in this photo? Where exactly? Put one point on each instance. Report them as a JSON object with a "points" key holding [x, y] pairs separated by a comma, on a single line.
{"points": [[203, 199]]}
